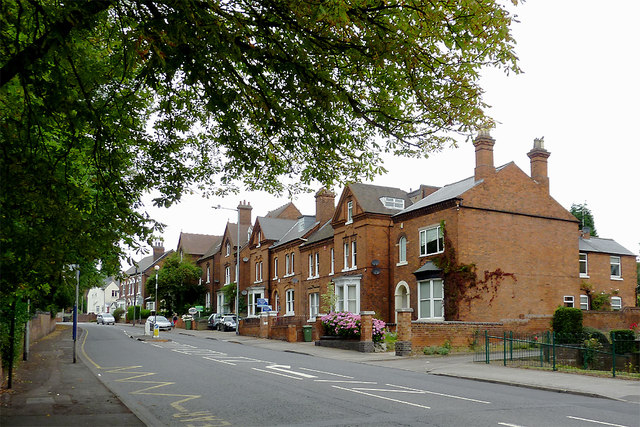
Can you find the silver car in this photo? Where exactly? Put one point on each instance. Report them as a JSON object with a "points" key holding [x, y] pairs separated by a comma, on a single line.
{"points": [[163, 323], [105, 319]]}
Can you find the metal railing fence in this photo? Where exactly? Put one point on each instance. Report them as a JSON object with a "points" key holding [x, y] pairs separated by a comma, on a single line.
{"points": [[551, 350]]}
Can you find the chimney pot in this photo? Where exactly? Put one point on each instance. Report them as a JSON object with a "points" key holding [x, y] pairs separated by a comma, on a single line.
{"points": [[484, 155]]}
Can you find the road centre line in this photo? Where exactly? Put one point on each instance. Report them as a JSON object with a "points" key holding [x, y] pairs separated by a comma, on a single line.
{"points": [[346, 382], [509, 425], [277, 373], [382, 397], [324, 372], [595, 422], [440, 394]]}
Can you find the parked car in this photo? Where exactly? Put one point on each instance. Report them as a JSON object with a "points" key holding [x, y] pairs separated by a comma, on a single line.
{"points": [[228, 323], [105, 319], [215, 319], [163, 323]]}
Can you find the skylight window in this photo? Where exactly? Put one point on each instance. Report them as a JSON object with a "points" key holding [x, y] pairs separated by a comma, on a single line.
{"points": [[392, 202]]}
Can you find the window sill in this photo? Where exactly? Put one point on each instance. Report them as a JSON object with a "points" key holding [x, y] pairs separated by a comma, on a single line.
{"points": [[584, 276], [289, 314], [617, 278], [401, 263]]}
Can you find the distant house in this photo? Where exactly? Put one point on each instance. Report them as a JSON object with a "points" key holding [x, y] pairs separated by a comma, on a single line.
{"points": [[133, 285], [103, 299]]}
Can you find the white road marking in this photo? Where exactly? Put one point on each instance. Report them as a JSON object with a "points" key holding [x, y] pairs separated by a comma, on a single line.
{"points": [[346, 381], [440, 394], [277, 373], [594, 421], [327, 373], [509, 425], [382, 397], [287, 369]]}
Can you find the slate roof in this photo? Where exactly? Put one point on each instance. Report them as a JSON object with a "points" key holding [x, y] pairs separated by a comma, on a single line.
{"points": [[215, 247], [368, 197], [196, 244], [274, 228], [323, 233], [145, 263], [299, 229], [605, 246]]}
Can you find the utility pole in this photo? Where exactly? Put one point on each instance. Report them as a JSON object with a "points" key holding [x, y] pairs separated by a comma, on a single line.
{"points": [[75, 314]]}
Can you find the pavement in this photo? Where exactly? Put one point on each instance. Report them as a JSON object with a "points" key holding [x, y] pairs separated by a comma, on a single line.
{"points": [[50, 390]]}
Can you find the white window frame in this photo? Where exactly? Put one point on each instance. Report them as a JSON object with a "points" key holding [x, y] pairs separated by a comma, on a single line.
{"points": [[314, 304], [342, 288], [402, 250], [392, 202], [333, 262], [317, 265], [252, 301], [584, 262], [276, 302], [431, 299], [616, 303], [208, 273], [275, 268], [615, 261], [310, 266], [220, 303], [227, 275], [424, 243], [291, 260], [569, 299], [345, 247], [227, 249], [584, 302], [287, 266], [258, 272], [290, 302], [207, 302], [349, 212], [354, 252], [259, 239]]}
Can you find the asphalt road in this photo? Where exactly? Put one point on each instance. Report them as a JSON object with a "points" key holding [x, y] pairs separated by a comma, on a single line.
{"points": [[191, 381]]}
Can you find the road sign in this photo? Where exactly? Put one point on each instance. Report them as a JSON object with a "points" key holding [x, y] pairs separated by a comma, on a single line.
{"points": [[262, 301], [265, 308], [193, 311], [199, 308]]}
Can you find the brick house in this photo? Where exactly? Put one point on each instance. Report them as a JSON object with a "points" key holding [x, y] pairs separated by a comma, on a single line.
{"points": [[605, 267], [515, 249], [133, 285]]}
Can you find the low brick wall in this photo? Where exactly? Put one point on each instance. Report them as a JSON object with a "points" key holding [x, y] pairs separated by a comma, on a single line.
{"points": [[41, 325], [608, 320], [464, 334]]}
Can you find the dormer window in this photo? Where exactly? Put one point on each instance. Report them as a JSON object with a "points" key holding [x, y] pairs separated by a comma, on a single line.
{"points": [[392, 202], [349, 212]]}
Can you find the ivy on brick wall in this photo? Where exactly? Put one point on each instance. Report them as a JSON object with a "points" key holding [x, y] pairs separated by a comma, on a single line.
{"points": [[461, 282]]}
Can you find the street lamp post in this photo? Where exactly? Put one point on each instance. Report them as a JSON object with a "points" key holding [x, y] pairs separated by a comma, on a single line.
{"points": [[155, 306], [237, 266], [75, 313]]}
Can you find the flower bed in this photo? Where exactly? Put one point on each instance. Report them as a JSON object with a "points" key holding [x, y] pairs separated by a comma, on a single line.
{"points": [[347, 326]]}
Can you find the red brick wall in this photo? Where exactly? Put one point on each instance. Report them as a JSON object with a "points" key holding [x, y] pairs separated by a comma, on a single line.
{"points": [[599, 277], [608, 320], [41, 326]]}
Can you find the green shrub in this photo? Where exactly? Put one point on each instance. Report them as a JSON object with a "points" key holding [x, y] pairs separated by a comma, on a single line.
{"points": [[567, 324], [117, 313], [441, 350], [144, 313], [624, 340], [589, 333]]}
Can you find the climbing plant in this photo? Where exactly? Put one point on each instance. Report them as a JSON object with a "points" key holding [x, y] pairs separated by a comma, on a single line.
{"points": [[461, 282]]}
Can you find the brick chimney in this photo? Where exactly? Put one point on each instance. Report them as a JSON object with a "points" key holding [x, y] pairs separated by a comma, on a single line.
{"points": [[158, 250], [484, 155], [244, 212], [539, 156], [325, 205], [585, 233]]}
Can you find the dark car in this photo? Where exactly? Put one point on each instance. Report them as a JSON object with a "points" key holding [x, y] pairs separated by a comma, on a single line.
{"points": [[228, 323], [105, 319]]}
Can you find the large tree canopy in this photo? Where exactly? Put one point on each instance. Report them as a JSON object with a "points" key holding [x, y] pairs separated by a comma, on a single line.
{"points": [[103, 100]]}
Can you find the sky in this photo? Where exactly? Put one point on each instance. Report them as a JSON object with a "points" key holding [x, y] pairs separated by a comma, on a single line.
{"points": [[579, 89]]}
